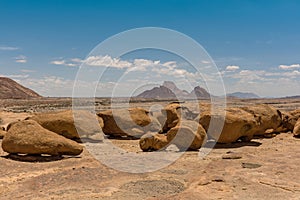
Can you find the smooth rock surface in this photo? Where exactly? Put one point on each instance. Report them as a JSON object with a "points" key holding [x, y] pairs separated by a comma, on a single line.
{"points": [[28, 137]]}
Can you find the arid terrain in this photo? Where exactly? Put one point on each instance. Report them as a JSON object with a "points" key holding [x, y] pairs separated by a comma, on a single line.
{"points": [[264, 168]]}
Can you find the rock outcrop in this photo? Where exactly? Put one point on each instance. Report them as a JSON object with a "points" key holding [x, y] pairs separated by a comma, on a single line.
{"points": [[243, 123], [153, 142], [296, 130], [28, 137], [238, 124], [133, 122], [289, 119], [173, 113], [63, 123], [267, 117], [187, 135], [2, 133]]}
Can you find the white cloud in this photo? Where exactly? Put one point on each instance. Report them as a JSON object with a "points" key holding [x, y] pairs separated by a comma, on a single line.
{"points": [[63, 62], [58, 62], [27, 70], [166, 68], [107, 61], [76, 60], [205, 62], [232, 68], [8, 48], [291, 74], [289, 67], [21, 59], [15, 76]]}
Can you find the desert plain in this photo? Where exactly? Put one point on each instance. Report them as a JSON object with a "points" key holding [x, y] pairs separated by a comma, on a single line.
{"points": [[263, 168]]}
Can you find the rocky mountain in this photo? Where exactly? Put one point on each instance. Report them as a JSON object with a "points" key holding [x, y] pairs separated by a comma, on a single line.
{"points": [[168, 90], [161, 92], [10, 89], [243, 95], [178, 92], [200, 92]]}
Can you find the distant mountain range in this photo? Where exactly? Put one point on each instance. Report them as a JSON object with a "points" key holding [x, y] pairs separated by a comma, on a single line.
{"points": [[10, 89], [243, 95], [168, 90]]}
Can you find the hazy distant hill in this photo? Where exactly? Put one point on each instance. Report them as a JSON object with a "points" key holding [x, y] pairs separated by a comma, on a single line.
{"points": [[169, 90], [10, 89], [292, 97], [243, 95]]}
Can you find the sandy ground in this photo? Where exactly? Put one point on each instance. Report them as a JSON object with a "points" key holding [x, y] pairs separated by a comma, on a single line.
{"points": [[261, 169]]}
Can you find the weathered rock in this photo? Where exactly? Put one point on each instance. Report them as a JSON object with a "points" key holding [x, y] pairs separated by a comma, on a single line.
{"points": [[187, 135], [296, 113], [172, 114], [2, 133], [175, 112], [289, 120], [153, 142], [232, 155], [62, 123], [28, 137], [238, 124], [270, 133], [133, 122], [296, 130], [267, 117]]}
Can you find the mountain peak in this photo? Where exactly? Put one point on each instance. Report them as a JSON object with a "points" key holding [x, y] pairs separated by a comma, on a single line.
{"points": [[10, 89], [169, 90], [200, 92], [169, 84]]}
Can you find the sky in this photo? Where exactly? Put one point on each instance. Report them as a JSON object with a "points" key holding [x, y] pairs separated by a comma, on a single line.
{"points": [[254, 44]]}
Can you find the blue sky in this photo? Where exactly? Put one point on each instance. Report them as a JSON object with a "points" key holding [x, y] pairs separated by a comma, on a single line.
{"points": [[259, 40]]}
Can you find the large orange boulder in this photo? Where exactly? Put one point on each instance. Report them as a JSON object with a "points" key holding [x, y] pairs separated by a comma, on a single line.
{"points": [[267, 117], [187, 135], [63, 123], [133, 122], [238, 124], [2, 133], [296, 130], [28, 137], [174, 113], [153, 142], [289, 119]]}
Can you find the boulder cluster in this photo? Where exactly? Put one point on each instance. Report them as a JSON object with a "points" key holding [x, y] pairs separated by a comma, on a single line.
{"points": [[52, 133], [238, 124], [59, 133]]}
